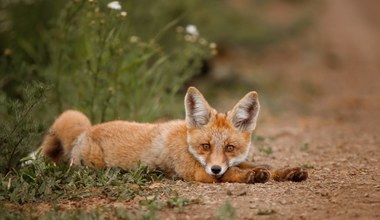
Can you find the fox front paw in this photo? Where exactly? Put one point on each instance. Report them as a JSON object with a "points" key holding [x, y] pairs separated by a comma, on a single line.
{"points": [[296, 174], [258, 175]]}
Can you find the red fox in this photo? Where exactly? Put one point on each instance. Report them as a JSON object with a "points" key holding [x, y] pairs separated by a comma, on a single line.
{"points": [[206, 147]]}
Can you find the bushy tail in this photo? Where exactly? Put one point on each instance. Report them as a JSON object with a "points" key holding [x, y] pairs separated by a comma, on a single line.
{"points": [[58, 143]]}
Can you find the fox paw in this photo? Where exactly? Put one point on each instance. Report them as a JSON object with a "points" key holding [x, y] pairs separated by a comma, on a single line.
{"points": [[259, 175], [296, 174]]}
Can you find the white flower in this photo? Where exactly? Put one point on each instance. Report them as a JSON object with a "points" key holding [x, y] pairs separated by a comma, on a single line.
{"points": [[192, 29], [123, 13], [212, 45], [31, 157], [114, 5], [9, 183], [133, 39]]}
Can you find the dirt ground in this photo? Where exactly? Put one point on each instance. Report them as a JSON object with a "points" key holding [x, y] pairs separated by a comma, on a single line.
{"points": [[328, 122]]}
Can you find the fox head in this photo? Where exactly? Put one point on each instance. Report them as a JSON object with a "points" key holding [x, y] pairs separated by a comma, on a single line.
{"points": [[220, 140]]}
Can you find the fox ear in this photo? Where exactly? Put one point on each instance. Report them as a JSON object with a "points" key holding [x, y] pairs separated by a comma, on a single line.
{"points": [[244, 114], [198, 111]]}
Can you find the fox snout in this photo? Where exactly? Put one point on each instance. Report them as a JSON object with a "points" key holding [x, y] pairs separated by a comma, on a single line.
{"points": [[216, 170]]}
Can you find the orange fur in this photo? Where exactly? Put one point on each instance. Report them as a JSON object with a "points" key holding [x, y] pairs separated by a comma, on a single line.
{"points": [[206, 147]]}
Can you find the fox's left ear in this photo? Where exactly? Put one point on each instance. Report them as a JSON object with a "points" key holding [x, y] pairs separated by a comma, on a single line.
{"points": [[244, 114]]}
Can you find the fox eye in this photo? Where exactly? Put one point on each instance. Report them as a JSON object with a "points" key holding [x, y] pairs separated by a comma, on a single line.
{"points": [[230, 148], [206, 147]]}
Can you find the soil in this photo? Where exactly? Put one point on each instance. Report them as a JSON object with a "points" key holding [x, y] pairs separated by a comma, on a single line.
{"points": [[329, 121], [322, 113]]}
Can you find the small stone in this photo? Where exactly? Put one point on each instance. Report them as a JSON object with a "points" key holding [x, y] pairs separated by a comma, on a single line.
{"points": [[134, 187], [118, 205], [324, 194], [229, 193], [242, 193], [155, 185], [150, 197], [352, 173]]}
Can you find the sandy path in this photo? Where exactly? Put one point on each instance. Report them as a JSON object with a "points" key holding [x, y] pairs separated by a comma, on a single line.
{"points": [[340, 57]]}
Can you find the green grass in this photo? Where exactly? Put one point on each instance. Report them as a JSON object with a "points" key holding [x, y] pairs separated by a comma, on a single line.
{"points": [[267, 150], [226, 211], [45, 181], [258, 138], [178, 202], [305, 147]]}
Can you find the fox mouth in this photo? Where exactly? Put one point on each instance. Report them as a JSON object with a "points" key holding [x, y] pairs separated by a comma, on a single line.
{"points": [[218, 176]]}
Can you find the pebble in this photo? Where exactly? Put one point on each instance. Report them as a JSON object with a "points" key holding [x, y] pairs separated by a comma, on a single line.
{"points": [[253, 206], [242, 193], [324, 194], [238, 193]]}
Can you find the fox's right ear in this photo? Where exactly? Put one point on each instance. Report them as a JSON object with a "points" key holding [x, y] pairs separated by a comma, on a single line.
{"points": [[198, 111]]}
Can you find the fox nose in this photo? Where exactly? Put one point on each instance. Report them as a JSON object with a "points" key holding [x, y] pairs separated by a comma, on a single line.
{"points": [[216, 169]]}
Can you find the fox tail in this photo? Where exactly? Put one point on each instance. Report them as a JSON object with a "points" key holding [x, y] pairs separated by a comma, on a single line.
{"points": [[59, 140]]}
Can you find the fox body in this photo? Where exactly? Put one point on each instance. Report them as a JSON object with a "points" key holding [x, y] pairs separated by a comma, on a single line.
{"points": [[206, 147]]}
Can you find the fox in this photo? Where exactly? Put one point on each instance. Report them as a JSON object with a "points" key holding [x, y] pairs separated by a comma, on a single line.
{"points": [[207, 146]]}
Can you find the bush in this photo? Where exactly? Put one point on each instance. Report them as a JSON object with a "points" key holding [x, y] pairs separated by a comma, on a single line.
{"points": [[98, 65], [91, 58]]}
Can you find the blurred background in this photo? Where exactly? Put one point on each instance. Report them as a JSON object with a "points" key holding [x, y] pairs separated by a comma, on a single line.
{"points": [[134, 60]]}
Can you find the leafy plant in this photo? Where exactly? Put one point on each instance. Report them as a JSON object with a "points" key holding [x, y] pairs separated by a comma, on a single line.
{"points": [[99, 66], [19, 129]]}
